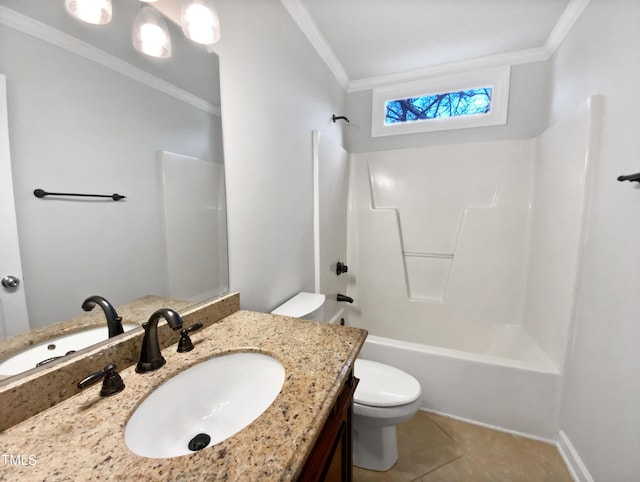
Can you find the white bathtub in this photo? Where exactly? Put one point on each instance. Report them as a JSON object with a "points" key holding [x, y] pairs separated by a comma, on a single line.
{"points": [[494, 375], [517, 395]]}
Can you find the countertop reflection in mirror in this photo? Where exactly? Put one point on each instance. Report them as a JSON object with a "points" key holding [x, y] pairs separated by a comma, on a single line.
{"points": [[88, 113]]}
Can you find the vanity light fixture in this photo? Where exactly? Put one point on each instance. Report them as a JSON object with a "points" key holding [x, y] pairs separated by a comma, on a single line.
{"points": [[96, 12], [200, 21], [150, 34]]}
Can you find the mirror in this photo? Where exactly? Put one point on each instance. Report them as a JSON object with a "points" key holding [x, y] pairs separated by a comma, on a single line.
{"points": [[89, 114]]}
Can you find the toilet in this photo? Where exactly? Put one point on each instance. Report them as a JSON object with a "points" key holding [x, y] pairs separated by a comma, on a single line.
{"points": [[385, 396]]}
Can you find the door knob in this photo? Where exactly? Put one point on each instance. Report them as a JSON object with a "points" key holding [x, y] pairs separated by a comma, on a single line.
{"points": [[10, 281]]}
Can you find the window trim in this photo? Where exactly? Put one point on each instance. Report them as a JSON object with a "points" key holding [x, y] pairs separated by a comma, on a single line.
{"points": [[496, 78]]}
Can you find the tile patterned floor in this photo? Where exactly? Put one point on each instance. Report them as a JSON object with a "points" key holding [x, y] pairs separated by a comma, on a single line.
{"points": [[433, 448]]}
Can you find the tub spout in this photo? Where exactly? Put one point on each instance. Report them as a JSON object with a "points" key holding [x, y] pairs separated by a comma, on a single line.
{"points": [[346, 298]]}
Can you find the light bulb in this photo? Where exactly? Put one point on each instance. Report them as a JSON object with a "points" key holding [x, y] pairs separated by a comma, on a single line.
{"points": [[150, 34], [97, 12], [200, 21]]}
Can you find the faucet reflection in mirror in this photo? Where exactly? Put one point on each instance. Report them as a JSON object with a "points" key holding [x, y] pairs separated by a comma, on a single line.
{"points": [[198, 19], [114, 322]]}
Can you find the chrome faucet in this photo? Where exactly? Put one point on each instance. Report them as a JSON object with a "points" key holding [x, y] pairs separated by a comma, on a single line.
{"points": [[114, 322], [150, 355]]}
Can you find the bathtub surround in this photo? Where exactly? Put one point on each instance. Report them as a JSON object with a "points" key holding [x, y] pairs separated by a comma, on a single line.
{"points": [[567, 156], [474, 247], [439, 240], [331, 197], [194, 271], [469, 253], [50, 385]]}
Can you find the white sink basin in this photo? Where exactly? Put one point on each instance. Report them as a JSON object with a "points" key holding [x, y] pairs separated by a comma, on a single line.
{"points": [[214, 399], [58, 346]]}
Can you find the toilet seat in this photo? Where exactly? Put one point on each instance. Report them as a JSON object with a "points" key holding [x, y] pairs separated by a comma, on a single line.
{"points": [[384, 386]]}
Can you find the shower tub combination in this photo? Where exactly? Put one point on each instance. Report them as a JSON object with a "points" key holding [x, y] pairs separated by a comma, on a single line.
{"points": [[470, 254]]}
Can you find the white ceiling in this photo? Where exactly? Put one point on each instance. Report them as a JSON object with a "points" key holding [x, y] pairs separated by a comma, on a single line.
{"points": [[368, 43], [365, 41]]}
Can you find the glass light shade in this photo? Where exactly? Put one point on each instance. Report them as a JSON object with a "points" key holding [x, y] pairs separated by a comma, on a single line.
{"points": [[150, 34], [200, 21], [96, 12]]}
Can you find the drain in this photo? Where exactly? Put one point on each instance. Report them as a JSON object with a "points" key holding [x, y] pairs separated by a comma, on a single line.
{"points": [[199, 442]]}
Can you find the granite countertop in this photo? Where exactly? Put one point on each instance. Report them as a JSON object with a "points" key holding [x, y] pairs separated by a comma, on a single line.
{"points": [[82, 437]]}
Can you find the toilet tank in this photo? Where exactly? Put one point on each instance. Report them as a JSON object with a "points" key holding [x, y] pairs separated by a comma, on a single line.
{"points": [[309, 306], [313, 306]]}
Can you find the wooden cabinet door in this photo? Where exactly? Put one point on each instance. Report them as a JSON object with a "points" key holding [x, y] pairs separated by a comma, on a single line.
{"points": [[331, 459]]}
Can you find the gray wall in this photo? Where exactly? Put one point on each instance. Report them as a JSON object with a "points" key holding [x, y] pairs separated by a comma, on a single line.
{"points": [[78, 127], [275, 91], [527, 116], [601, 396]]}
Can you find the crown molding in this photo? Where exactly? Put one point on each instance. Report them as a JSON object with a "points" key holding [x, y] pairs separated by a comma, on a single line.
{"points": [[564, 24], [562, 27], [480, 63], [48, 34], [308, 26]]}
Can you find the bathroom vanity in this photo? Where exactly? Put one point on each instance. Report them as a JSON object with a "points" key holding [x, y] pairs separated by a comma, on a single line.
{"points": [[331, 456], [303, 435]]}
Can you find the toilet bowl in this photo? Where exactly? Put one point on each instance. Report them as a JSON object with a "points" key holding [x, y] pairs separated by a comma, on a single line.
{"points": [[385, 396]]}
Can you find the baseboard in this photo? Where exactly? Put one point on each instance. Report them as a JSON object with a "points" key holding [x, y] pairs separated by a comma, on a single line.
{"points": [[572, 459]]}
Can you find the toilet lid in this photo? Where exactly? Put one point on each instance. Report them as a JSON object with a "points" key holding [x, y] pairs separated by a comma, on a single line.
{"points": [[384, 386]]}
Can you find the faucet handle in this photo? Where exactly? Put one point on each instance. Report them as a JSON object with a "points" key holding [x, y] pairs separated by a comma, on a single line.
{"points": [[54, 358], [185, 343], [111, 381]]}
